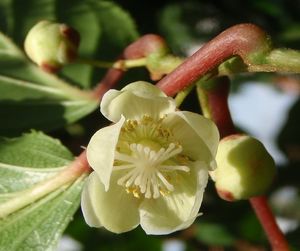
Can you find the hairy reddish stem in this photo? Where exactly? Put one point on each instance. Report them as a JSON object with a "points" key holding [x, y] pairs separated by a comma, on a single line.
{"points": [[264, 214], [216, 99], [220, 110], [242, 40], [80, 164], [111, 78], [142, 47], [220, 114]]}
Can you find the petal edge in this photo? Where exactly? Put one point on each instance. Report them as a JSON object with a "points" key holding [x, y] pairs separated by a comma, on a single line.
{"points": [[101, 151]]}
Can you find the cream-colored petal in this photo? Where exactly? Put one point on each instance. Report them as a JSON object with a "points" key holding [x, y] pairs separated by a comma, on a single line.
{"points": [[144, 89], [192, 143], [107, 98], [87, 208], [179, 209], [204, 127], [136, 100], [101, 151], [115, 209]]}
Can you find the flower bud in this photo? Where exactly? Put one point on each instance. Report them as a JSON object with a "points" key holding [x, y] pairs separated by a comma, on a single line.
{"points": [[245, 168], [51, 45]]}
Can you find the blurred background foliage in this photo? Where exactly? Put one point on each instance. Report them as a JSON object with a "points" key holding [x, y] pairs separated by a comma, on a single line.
{"points": [[106, 28]]}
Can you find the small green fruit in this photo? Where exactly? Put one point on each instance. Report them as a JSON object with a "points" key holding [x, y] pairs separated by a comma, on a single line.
{"points": [[245, 168], [51, 45]]}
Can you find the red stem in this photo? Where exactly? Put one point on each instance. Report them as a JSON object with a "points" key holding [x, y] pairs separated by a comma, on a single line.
{"points": [[242, 40], [144, 46], [80, 165], [264, 214], [111, 78], [140, 48], [217, 99]]}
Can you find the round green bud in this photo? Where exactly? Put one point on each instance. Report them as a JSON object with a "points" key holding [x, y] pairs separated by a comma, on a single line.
{"points": [[245, 168], [51, 45]]}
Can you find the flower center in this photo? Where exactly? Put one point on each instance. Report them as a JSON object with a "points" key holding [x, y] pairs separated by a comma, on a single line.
{"points": [[147, 170], [144, 130], [150, 158]]}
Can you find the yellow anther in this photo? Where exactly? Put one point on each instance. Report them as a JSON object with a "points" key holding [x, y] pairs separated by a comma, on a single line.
{"points": [[146, 119], [136, 193], [134, 190], [182, 159], [164, 192]]}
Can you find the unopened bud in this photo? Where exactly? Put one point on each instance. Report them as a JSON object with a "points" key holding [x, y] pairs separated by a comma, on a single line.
{"points": [[51, 45], [245, 168]]}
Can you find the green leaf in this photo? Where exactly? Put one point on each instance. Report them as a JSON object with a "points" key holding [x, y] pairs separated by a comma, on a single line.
{"points": [[24, 162], [110, 29], [30, 159], [6, 16], [26, 15], [214, 234], [105, 29], [39, 226], [118, 29], [31, 98], [80, 14], [16, 151]]}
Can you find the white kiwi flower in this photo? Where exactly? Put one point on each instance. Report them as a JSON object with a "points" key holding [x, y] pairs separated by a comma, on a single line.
{"points": [[150, 166]]}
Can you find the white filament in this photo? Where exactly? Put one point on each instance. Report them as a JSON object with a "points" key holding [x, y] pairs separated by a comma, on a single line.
{"points": [[146, 169]]}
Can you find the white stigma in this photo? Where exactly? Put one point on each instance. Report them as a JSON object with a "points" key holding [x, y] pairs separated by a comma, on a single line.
{"points": [[147, 170]]}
